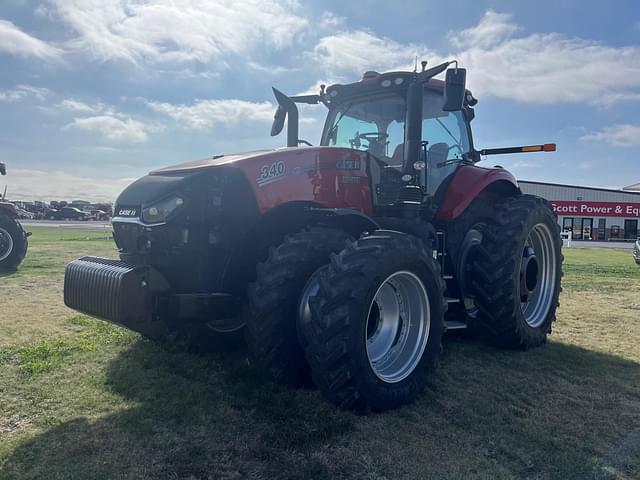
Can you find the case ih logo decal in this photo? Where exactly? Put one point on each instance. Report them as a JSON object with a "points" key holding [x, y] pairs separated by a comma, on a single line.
{"points": [[127, 212], [271, 172], [348, 164], [596, 209]]}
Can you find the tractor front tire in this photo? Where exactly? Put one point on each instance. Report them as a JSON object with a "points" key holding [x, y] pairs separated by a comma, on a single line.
{"points": [[271, 333], [515, 272], [376, 322], [13, 244]]}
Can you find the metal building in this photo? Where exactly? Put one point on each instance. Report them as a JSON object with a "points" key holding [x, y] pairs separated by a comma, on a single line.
{"points": [[591, 213]]}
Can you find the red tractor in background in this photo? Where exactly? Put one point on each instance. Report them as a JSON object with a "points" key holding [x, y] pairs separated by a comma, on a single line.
{"points": [[13, 239], [345, 262]]}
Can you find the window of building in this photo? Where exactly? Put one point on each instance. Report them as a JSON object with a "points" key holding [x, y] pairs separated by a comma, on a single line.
{"points": [[631, 229], [587, 228], [567, 224], [602, 229]]}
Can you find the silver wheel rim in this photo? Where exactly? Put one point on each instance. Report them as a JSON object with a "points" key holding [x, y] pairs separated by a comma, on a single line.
{"points": [[397, 329], [6, 244], [538, 279]]}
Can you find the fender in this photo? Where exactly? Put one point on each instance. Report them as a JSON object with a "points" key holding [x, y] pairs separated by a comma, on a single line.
{"points": [[470, 181], [351, 221], [8, 209]]}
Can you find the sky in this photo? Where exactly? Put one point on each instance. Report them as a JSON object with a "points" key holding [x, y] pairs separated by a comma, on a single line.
{"points": [[95, 93]]}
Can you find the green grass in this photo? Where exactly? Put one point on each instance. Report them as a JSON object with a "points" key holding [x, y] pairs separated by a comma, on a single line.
{"points": [[52, 248], [93, 401]]}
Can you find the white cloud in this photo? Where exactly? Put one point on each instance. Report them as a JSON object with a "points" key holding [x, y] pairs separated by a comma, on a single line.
{"points": [[494, 28], [622, 135], [23, 92], [178, 30], [545, 68], [120, 129], [20, 44], [501, 62], [206, 113], [346, 54], [526, 165], [55, 185], [81, 107]]}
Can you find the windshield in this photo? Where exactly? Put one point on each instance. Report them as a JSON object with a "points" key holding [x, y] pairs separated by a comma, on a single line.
{"points": [[374, 124]]}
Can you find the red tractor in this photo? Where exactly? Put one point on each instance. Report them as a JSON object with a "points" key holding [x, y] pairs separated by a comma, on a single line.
{"points": [[345, 262], [13, 239]]}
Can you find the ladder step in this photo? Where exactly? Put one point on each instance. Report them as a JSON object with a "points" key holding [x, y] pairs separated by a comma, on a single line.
{"points": [[455, 325], [447, 277], [452, 300]]}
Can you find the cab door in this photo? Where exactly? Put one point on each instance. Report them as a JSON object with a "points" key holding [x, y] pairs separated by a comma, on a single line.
{"points": [[447, 139]]}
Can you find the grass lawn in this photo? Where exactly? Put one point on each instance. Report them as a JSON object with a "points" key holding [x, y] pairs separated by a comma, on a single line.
{"points": [[81, 399]]}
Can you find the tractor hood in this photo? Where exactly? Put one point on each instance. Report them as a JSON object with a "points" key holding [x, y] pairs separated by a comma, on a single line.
{"points": [[178, 178], [218, 160], [268, 177]]}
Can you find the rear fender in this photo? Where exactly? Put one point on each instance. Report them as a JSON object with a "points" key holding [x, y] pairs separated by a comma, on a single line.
{"points": [[470, 182]]}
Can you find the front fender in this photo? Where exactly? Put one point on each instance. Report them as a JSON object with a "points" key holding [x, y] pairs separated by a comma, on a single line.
{"points": [[468, 182], [8, 209]]}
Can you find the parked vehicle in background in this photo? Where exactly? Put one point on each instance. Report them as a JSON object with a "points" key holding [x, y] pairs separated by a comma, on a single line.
{"points": [[636, 251], [13, 238], [24, 215], [99, 215], [71, 213]]}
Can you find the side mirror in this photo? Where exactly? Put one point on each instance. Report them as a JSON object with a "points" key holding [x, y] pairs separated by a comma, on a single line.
{"points": [[3, 169], [454, 89], [278, 121]]}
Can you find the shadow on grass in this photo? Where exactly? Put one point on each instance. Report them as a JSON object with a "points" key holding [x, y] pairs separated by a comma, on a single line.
{"points": [[554, 412]]}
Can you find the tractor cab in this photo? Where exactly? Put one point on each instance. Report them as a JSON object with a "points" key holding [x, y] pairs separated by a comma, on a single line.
{"points": [[414, 128]]}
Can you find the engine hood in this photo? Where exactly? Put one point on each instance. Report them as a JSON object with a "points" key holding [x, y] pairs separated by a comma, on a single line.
{"points": [[217, 160], [151, 188]]}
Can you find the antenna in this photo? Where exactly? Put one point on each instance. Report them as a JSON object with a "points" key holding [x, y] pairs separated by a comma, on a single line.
{"points": [[415, 69]]}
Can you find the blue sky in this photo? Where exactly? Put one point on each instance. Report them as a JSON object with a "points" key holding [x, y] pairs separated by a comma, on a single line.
{"points": [[95, 93]]}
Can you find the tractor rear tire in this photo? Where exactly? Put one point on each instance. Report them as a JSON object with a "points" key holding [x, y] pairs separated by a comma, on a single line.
{"points": [[376, 322], [517, 299], [271, 333], [13, 244]]}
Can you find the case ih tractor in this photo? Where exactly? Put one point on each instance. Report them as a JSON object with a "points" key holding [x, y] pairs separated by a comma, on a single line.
{"points": [[345, 262], [13, 239]]}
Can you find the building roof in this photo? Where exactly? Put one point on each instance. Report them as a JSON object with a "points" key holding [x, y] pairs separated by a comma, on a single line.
{"points": [[626, 190]]}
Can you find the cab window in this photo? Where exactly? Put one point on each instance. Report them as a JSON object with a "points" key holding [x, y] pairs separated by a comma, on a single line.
{"points": [[447, 139]]}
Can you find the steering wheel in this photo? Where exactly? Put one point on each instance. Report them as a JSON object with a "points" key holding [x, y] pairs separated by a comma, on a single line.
{"points": [[456, 146], [373, 136]]}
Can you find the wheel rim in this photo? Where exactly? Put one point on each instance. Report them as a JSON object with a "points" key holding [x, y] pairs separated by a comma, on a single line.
{"points": [[537, 275], [397, 329], [6, 244]]}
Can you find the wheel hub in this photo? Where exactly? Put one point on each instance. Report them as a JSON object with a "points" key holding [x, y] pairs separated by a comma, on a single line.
{"points": [[529, 271], [538, 275], [397, 328], [6, 244]]}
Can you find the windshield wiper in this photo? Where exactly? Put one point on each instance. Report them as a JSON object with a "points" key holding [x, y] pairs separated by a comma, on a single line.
{"points": [[334, 128], [448, 131]]}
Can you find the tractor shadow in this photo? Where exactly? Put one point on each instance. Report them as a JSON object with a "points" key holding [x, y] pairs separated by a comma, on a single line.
{"points": [[555, 412]]}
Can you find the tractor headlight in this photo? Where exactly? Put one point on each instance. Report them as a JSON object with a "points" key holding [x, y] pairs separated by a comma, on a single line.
{"points": [[159, 212]]}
